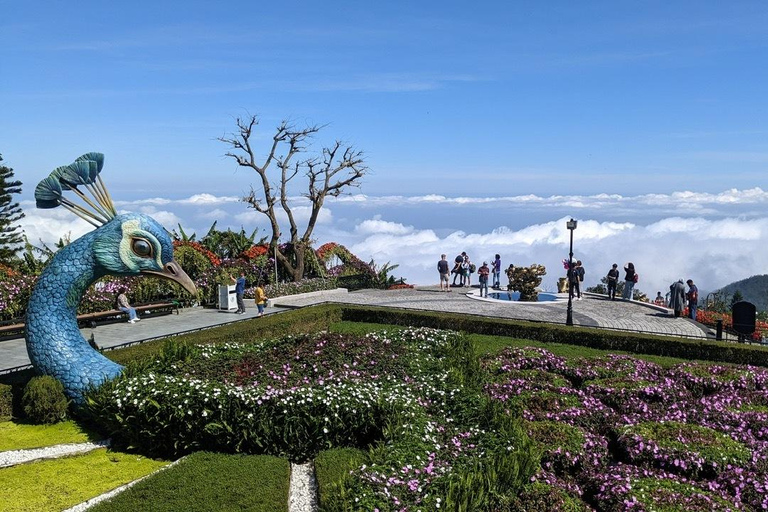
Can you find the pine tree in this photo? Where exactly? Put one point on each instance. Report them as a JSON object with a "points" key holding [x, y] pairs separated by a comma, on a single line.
{"points": [[11, 235]]}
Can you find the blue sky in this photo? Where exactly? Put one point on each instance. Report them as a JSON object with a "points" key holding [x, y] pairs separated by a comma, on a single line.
{"points": [[498, 99]]}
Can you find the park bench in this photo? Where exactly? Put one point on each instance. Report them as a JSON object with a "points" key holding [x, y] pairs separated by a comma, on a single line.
{"points": [[15, 328]]}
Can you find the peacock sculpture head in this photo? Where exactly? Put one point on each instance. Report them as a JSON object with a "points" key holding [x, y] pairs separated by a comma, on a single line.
{"points": [[123, 245]]}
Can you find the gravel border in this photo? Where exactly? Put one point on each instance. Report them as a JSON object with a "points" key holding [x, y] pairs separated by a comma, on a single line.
{"points": [[14, 457], [302, 495]]}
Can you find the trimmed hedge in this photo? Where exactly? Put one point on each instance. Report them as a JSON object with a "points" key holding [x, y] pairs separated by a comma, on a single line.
{"points": [[602, 339], [296, 321]]}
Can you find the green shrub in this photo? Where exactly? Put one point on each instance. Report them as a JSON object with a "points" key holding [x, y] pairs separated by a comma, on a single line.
{"points": [[44, 400], [6, 402]]}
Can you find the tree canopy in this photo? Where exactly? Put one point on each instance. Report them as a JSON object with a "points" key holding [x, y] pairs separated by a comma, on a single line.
{"points": [[11, 234]]}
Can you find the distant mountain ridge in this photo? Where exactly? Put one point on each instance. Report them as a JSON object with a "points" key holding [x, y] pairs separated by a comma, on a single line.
{"points": [[754, 289]]}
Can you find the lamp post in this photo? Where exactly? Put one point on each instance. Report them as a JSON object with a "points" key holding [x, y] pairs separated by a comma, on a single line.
{"points": [[571, 225], [276, 244]]}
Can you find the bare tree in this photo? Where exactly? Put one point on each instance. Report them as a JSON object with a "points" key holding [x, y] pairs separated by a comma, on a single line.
{"points": [[331, 173]]}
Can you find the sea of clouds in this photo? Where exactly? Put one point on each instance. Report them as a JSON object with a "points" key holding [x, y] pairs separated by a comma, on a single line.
{"points": [[713, 239]]}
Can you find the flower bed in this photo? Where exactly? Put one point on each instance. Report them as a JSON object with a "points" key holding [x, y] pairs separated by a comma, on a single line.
{"points": [[413, 395], [631, 435]]}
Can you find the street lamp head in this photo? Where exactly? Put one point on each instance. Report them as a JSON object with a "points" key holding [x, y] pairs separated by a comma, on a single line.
{"points": [[571, 224]]}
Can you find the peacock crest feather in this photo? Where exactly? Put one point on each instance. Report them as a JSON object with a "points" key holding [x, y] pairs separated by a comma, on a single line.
{"points": [[123, 245]]}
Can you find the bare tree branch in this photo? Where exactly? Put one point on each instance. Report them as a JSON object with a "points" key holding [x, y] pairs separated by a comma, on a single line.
{"points": [[339, 168]]}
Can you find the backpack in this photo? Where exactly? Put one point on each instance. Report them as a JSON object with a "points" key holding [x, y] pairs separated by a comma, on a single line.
{"points": [[636, 278], [472, 268]]}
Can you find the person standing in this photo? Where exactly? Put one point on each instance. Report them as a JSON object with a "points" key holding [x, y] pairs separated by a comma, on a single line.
{"points": [[457, 270], [574, 289], [445, 273], [261, 300], [677, 297], [482, 274], [497, 272], [124, 306], [240, 292], [613, 280], [465, 271], [693, 299], [629, 280]]}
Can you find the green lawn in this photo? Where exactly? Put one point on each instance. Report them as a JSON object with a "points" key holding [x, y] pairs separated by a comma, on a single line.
{"points": [[206, 481], [19, 436], [492, 344], [57, 484]]}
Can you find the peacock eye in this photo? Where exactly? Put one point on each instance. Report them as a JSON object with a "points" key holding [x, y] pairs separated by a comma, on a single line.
{"points": [[141, 247]]}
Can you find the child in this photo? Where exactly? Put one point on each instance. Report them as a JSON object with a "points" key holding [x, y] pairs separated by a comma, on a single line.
{"points": [[261, 299]]}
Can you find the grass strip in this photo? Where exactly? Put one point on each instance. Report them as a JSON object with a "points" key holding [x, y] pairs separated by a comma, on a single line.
{"points": [[57, 484], [486, 344], [22, 436], [207, 481], [332, 467]]}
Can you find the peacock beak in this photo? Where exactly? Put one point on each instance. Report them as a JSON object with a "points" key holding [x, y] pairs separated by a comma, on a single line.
{"points": [[174, 272]]}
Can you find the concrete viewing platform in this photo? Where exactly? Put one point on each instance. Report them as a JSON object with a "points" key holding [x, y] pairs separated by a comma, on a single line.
{"points": [[593, 311]]}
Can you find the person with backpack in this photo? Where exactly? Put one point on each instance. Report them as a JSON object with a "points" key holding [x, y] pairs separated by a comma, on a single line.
{"points": [[574, 289], [613, 280], [630, 279]]}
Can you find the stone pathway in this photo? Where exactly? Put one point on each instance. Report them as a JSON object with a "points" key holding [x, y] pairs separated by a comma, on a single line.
{"points": [[593, 311]]}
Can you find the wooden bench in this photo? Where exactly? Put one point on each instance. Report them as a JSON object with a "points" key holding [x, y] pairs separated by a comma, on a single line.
{"points": [[92, 319]]}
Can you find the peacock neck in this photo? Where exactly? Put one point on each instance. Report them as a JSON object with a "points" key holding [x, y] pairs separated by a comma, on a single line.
{"points": [[54, 343]]}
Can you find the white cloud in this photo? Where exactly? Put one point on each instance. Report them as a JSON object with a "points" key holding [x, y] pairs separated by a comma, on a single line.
{"points": [[378, 226], [49, 226], [217, 214], [685, 200], [206, 199]]}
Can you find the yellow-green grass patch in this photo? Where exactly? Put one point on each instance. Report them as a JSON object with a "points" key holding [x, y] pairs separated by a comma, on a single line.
{"points": [[22, 436], [57, 484]]}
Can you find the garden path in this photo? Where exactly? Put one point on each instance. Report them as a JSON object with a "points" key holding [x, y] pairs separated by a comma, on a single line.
{"points": [[593, 311]]}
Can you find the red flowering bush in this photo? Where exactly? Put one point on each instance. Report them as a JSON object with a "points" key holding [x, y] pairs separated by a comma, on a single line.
{"points": [[215, 260]]}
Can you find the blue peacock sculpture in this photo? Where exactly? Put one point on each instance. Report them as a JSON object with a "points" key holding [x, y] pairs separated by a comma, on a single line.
{"points": [[123, 245]]}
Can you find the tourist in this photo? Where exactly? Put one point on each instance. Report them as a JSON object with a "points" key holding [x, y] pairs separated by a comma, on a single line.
{"points": [[457, 271], [613, 280], [629, 281], [509, 271], [124, 306], [240, 291], [261, 300], [574, 290], [677, 297], [482, 274], [497, 272], [465, 281], [659, 300], [445, 273], [693, 299]]}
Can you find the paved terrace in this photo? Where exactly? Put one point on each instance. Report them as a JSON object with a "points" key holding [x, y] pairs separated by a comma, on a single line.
{"points": [[593, 311]]}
